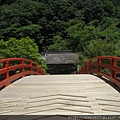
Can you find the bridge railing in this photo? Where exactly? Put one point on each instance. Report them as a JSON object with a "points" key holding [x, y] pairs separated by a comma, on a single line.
{"points": [[12, 69], [106, 66]]}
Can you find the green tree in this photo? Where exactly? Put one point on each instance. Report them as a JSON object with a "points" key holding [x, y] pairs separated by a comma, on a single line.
{"points": [[77, 21], [89, 10], [98, 48], [59, 44], [20, 19], [80, 35], [21, 48]]}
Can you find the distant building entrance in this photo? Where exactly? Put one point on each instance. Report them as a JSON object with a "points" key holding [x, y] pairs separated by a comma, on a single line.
{"points": [[61, 62]]}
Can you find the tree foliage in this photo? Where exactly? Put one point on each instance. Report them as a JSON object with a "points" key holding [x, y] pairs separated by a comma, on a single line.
{"points": [[21, 48], [91, 27]]}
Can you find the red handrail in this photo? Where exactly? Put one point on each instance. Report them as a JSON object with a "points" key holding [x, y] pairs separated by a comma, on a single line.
{"points": [[12, 69], [99, 65]]}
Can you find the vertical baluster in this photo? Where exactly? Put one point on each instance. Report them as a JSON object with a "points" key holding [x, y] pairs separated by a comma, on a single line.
{"points": [[113, 64], [99, 67], [90, 71], [6, 65], [37, 69], [22, 67], [30, 69]]}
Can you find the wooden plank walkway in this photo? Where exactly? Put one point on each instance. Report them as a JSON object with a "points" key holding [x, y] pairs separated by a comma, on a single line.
{"points": [[60, 95]]}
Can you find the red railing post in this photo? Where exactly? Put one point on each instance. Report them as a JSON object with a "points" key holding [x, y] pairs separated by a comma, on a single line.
{"points": [[37, 69], [99, 67], [90, 65], [40, 70], [81, 70], [85, 70], [30, 66], [113, 64], [22, 67], [7, 78], [6, 65], [113, 67]]}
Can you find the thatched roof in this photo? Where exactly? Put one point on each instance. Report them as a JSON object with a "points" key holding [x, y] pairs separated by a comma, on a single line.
{"points": [[61, 57]]}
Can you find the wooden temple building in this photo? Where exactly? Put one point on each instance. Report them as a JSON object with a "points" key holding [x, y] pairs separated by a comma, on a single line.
{"points": [[61, 61]]}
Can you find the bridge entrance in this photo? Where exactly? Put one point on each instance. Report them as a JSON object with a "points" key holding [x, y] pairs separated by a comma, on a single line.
{"points": [[62, 69]]}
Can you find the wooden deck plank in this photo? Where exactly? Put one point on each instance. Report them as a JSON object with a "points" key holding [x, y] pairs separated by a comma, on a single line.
{"points": [[59, 94]]}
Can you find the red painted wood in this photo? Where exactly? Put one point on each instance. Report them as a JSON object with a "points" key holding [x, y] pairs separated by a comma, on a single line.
{"points": [[6, 78], [88, 67]]}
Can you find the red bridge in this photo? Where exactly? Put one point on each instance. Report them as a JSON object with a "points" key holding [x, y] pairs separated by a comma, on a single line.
{"points": [[93, 91]]}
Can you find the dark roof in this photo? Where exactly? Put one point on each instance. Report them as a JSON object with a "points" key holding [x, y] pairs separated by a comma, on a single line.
{"points": [[61, 57]]}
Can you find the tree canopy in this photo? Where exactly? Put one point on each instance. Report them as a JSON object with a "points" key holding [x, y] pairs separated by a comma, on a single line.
{"points": [[91, 27], [21, 48]]}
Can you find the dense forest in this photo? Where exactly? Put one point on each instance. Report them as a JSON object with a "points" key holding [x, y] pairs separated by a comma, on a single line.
{"points": [[90, 27]]}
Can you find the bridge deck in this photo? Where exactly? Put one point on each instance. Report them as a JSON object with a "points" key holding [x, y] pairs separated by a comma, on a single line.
{"points": [[59, 94]]}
